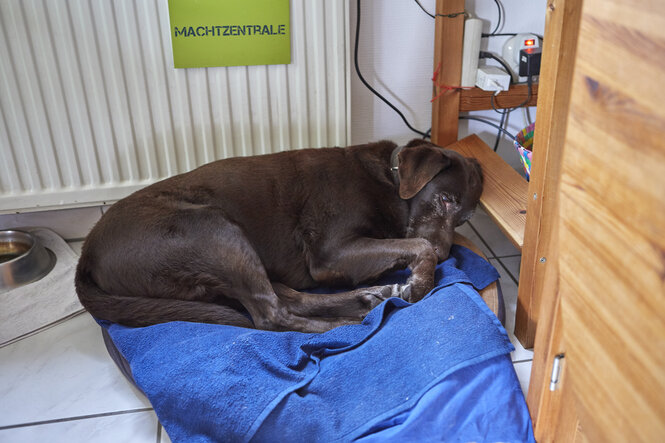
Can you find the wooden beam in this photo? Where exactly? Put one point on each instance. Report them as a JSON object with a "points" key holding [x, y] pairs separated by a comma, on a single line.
{"points": [[478, 100], [559, 47], [448, 40]]}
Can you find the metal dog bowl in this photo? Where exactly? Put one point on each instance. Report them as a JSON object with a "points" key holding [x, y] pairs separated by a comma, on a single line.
{"points": [[23, 259]]}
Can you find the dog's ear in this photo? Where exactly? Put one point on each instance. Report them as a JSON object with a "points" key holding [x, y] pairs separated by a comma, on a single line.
{"points": [[417, 166], [418, 142]]}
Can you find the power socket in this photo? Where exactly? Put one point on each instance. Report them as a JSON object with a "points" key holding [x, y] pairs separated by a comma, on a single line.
{"points": [[492, 78], [473, 29], [511, 52], [530, 62]]}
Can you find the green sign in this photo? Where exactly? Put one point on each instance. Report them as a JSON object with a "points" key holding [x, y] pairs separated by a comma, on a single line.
{"points": [[230, 32]]}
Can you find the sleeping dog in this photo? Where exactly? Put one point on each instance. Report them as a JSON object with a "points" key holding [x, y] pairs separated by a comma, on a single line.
{"points": [[239, 241]]}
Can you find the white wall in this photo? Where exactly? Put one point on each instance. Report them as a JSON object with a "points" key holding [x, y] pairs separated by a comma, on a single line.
{"points": [[396, 57]]}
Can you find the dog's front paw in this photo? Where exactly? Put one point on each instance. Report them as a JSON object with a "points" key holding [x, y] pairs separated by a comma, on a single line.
{"points": [[418, 289], [398, 291], [405, 291]]}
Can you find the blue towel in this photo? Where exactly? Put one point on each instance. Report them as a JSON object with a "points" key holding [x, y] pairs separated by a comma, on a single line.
{"points": [[222, 383], [479, 403]]}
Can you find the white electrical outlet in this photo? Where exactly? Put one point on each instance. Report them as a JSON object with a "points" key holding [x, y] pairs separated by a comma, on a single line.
{"points": [[511, 52], [492, 78]]}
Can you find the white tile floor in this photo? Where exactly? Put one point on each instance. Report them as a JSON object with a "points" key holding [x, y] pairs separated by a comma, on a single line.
{"points": [[60, 385]]}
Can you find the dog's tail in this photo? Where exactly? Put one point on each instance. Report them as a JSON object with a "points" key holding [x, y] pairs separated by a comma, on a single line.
{"points": [[146, 311]]}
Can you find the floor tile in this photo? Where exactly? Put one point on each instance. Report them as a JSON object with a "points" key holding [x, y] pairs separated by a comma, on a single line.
{"points": [[512, 264], [467, 231], [495, 240], [67, 223], [136, 427], [523, 370], [163, 436], [62, 372], [76, 246], [509, 291]]}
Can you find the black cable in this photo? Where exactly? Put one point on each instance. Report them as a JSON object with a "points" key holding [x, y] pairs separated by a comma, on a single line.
{"points": [[500, 34], [504, 113], [428, 133], [485, 54], [425, 10], [498, 22], [362, 79], [468, 117], [453, 15], [492, 34], [498, 134], [529, 82]]}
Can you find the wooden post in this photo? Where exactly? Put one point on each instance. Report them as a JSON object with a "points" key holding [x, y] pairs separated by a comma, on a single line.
{"points": [[539, 250], [448, 38], [538, 292]]}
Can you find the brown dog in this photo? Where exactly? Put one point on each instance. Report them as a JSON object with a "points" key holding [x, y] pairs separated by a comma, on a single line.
{"points": [[247, 234]]}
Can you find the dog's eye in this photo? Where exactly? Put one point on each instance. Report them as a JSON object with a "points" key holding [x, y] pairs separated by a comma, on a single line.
{"points": [[446, 198]]}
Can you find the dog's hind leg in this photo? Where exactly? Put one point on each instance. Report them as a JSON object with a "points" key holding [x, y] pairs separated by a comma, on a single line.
{"points": [[277, 311], [364, 260], [350, 304], [272, 312], [242, 277]]}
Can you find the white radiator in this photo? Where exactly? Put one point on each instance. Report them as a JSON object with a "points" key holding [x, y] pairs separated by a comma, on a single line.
{"points": [[91, 108]]}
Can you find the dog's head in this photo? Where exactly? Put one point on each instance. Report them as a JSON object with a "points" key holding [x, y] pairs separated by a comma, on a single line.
{"points": [[443, 189]]}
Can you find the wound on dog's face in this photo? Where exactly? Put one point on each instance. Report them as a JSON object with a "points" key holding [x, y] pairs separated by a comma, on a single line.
{"points": [[447, 201]]}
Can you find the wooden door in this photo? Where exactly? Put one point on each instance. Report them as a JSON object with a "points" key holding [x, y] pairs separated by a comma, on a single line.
{"points": [[612, 222]]}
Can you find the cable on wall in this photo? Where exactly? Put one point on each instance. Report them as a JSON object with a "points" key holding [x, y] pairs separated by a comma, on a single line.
{"points": [[453, 15], [486, 54], [492, 34], [425, 10], [504, 113], [498, 22], [487, 122], [362, 79], [461, 117]]}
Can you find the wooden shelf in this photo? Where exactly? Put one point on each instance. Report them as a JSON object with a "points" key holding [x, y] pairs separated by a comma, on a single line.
{"points": [[505, 191], [478, 100]]}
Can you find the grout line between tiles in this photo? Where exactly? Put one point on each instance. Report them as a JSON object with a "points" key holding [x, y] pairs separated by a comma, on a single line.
{"points": [[527, 360], [43, 328], [510, 274], [81, 417], [473, 228], [493, 254], [159, 431], [74, 240]]}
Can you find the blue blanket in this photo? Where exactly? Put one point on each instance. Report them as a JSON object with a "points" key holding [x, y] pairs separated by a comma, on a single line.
{"points": [[388, 378]]}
